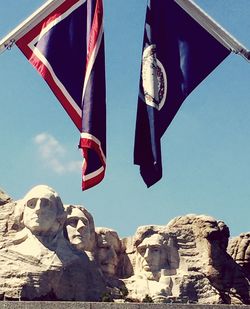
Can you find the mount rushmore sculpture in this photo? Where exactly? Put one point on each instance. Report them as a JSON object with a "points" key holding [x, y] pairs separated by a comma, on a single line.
{"points": [[52, 251]]}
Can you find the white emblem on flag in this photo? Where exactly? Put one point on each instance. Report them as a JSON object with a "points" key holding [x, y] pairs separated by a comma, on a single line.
{"points": [[154, 78]]}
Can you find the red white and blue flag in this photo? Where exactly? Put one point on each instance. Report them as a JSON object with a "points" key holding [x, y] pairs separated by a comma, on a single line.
{"points": [[67, 49]]}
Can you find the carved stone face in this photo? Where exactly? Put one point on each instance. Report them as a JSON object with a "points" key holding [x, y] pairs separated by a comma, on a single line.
{"points": [[150, 255], [108, 248], [40, 211], [78, 229]]}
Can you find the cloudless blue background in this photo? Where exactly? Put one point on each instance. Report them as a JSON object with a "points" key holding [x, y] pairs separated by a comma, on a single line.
{"points": [[206, 150]]}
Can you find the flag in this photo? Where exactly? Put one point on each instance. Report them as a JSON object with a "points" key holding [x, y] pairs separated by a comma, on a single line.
{"points": [[178, 53], [67, 49]]}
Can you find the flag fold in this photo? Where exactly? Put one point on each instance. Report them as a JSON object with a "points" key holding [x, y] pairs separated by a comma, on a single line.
{"points": [[67, 49], [178, 53]]}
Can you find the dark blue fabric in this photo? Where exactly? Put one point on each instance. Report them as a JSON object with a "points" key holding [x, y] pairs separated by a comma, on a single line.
{"points": [[95, 114], [64, 46], [188, 54], [94, 100]]}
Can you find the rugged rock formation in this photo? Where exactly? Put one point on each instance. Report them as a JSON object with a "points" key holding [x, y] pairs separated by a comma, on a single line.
{"points": [[187, 260], [51, 251], [4, 198], [202, 243], [239, 249], [108, 258], [36, 260]]}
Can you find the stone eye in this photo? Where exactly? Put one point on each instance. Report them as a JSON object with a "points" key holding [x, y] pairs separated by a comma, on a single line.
{"points": [[31, 203], [72, 222], [142, 250]]}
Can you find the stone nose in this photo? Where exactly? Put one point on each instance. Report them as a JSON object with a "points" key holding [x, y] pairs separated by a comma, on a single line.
{"points": [[112, 254], [80, 226], [37, 207], [148, 254]]}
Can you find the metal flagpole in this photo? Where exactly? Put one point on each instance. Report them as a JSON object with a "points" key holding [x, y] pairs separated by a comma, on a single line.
{"points": [[189, 6], [214, 28], [9, 40]]}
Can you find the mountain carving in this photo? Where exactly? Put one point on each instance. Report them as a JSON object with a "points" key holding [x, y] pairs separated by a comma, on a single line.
{"points": [[53, 251]]}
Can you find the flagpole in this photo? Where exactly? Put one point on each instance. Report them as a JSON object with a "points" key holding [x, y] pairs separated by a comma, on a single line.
{"points": [[9, 40], [215, 29]]}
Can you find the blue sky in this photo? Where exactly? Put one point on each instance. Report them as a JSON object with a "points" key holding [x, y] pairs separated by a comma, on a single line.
{"points": [[206, 150]]}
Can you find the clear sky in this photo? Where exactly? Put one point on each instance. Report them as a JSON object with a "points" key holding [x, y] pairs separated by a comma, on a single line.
{"points": [[206, 150]]}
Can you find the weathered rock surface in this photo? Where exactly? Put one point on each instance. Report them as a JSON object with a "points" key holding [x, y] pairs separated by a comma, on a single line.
{"points": [[202, 243], [37, 262], [239, 249], [51, 251], [4, 197], [192, 264]]}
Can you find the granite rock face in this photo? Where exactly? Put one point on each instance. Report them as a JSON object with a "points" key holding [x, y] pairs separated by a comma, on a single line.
{"points": [[202, 243], [239, 249], [51, 251], [4, 197], [186, 259], [37, 262]]}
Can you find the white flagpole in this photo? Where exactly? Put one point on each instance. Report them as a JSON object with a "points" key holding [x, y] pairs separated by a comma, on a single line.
{"points": [[189, 6], [29, 23], [214, 28]]}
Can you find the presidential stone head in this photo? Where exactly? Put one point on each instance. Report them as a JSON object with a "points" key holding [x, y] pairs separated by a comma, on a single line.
{"points": [[43, 212], [152, 251], [108, 250], [79, 228]]}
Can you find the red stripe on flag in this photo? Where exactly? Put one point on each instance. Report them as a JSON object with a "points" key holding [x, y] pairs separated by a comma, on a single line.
{"points": [[93, 181], [95, 29], [95, 177], [34, 32], [23, 44], [45, 73], [85, 145]]}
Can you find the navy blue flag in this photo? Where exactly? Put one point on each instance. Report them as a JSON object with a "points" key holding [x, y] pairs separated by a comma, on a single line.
{"points": [[178, 53], [67, 49]]}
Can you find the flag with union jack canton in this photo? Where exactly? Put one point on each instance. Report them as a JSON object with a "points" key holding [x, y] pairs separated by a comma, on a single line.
{"points": [[67, 49]]}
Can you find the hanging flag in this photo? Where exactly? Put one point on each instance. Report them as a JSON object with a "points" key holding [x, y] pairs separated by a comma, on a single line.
{"points": [[67, 49], [178, 53]]}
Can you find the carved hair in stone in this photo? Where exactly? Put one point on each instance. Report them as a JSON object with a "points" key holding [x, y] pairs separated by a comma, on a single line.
{"points": [[154, 250], [42, 214], [154, 260], [40, 260], [45, 249], [43, 211], [107, 251], [79, 228]]}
